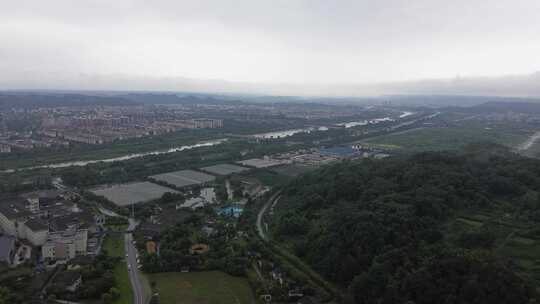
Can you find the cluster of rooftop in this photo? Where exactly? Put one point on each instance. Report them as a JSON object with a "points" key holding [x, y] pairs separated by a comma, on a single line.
{"points": [[51, 220]]}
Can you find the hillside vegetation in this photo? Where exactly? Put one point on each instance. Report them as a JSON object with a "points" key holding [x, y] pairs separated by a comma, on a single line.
{"points": [[436, 227]]}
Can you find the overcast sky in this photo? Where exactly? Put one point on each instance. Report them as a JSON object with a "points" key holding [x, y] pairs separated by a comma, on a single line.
{"points": [[121, 43]]}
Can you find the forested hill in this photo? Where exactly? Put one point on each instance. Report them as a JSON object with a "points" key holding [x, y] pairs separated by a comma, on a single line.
{"points": [[395, 230]]}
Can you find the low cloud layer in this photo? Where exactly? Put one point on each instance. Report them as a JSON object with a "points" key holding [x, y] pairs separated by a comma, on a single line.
{"points": [[281, 46]]}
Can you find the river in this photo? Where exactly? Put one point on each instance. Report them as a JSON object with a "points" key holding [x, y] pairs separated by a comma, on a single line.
{"points": [[350, 124], [364, 122], [81, 163], [269, 135], [281, 134], [405, 114]]}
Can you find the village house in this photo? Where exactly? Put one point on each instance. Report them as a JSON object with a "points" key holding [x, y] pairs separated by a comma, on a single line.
{"points": [[37, 198], [149, 231]]}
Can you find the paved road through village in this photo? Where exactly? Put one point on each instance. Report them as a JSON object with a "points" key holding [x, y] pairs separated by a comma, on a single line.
{"points": [[139, 296]]}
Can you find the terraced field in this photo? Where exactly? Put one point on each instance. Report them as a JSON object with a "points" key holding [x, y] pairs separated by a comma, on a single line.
{"points": [[515, 240]]}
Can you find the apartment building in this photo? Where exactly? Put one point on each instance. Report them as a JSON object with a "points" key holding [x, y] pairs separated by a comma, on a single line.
{"points": [[65, 245]]}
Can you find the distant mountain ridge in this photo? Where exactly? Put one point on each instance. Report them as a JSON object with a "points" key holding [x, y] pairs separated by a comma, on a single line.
{"points": [[172, 98], [32, 99], [35, 100], [45, 99], [505, 106]]}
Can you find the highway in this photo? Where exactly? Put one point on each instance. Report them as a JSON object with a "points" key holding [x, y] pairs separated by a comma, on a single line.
{"points": [[139, 296]]}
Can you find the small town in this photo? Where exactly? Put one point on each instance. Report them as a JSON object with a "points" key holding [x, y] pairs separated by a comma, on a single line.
{"points": [[95, 125]]}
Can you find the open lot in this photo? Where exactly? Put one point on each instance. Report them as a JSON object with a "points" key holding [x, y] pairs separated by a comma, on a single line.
{"points": [[183, 178], [224, 169], [132, 193], [454, 137], [209, 287]]}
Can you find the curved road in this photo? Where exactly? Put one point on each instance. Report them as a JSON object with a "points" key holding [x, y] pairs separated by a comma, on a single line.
{"points": [[294, 262], [272, 200]]}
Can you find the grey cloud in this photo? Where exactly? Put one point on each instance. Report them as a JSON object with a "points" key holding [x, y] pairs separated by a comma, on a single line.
{"points": [[286, 44]]}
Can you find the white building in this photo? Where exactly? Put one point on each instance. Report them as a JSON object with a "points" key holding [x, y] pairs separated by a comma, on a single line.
{"points": [[65, 245], [206, 123], [12, 217], [36, 232], [16, 221]]}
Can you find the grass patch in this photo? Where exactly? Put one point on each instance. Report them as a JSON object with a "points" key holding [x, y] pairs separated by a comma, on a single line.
{"points": [[269, 178], [524, 240], [209, 287], [469, 222], [14, 273], [114, 245], [454, 137], [292, 170], [88, 152], [478, 217], [117, 227]]}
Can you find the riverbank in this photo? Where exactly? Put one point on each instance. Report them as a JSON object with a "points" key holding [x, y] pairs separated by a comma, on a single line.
{"points": [[84, 152], [80, 163]]}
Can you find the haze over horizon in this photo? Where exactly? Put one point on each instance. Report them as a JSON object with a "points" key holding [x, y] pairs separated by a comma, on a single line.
{"points": [[337, 48]]}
